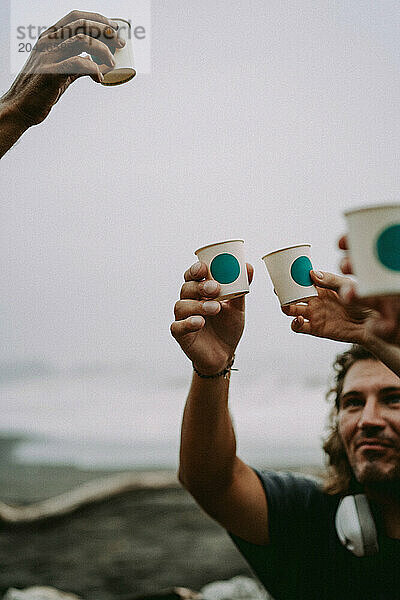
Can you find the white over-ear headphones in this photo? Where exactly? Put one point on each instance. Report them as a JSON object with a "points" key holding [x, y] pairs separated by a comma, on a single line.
{"points": [[355, 525]]}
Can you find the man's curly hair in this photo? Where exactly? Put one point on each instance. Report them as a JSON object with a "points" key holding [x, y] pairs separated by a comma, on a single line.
{"points": [[340, 478]]}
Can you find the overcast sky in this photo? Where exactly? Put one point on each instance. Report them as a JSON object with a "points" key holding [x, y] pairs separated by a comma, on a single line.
{"points": [[258, 120]]}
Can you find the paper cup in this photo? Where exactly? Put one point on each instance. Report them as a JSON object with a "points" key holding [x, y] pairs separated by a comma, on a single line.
{"points": [[289, 269], [227, 265], [374, 245], [124, 68]]}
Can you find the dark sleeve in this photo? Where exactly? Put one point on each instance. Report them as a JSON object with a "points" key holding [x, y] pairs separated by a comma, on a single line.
{"points": [[290, 498]]}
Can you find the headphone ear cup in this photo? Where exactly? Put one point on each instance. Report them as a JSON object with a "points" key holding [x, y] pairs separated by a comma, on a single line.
{"points": [[367, 524], [355, 525]]}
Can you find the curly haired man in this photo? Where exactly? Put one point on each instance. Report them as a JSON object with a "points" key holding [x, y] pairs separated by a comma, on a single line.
{"points": [[283, 523]]}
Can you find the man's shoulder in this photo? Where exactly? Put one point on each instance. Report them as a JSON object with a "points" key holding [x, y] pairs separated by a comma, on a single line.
{"points": [[297, 505], [288, 480], [284, 488]]}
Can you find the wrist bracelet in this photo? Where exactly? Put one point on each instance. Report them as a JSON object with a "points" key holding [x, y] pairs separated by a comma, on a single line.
{"points": [[225, 373]]}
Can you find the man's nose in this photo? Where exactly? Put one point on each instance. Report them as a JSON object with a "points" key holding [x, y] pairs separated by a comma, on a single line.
{"points": [[371, 416]]}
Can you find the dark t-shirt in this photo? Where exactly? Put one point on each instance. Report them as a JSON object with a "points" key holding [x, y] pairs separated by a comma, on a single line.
{"points": [[305, 559]]}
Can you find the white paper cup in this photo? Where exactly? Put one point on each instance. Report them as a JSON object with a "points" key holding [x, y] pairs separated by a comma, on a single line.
{"points": [[124, 68], [226, 264], [289, 269], [374, 245]]}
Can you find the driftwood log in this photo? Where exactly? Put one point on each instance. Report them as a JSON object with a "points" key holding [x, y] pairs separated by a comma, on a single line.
{"points": [[38, 593], [174, 594], [97, 490], [49, 593]]}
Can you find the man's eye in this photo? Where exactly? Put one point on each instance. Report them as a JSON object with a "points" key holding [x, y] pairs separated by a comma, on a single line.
{"points": [[352, 402], [393, 399]]}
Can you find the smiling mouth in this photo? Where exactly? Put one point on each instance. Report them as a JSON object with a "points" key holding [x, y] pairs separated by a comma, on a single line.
{"points": [[370, 445]]}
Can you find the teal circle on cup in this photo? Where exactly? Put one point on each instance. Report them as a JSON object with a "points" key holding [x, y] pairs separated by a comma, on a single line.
{"points": [[388, 247], [225, 268], [300, 271]]}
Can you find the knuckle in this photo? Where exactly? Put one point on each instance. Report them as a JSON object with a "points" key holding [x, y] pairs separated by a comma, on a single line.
{"points": [[41, 44], [204, 292], [64, 67], [184, 290], [174, 330], [177, 308], [78, 63], [95, 32], [99, 17], [53, 34], [74, 14]]}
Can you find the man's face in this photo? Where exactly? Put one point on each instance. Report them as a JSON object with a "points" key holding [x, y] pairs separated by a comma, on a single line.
{"points": [[369, 422]]}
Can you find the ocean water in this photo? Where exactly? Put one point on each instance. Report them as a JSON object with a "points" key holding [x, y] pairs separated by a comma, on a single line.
{"points": [[117, 419]]}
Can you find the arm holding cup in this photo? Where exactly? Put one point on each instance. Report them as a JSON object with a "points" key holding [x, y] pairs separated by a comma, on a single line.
{"points": [[328, 317], [387, 325], [209, 332], [53, 65], [11, 127]]}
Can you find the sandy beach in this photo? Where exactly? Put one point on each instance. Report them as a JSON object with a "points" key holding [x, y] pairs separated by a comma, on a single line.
{"points": [[137, 543]]}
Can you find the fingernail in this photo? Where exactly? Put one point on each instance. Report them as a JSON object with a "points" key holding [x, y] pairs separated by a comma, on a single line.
{"points": [[210, 307], [101, 76], [115, 25], [298, 322], [318, 274], [210, 287], [112, 61], [121, 43], [194, 269], [196, 321]]}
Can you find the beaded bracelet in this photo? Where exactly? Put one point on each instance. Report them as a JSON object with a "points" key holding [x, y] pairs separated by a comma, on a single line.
{"points": [[225, 373]]}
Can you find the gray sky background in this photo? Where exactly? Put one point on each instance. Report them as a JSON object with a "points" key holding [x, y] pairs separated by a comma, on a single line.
{"points": [[259, 120]]}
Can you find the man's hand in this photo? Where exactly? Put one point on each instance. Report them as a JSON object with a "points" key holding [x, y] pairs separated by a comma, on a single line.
{"points": [[55, 63], [386, 323], [326, 316], [207, 331]]}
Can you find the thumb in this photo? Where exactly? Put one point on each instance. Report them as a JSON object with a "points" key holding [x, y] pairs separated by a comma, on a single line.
{"points": [[330, 281]]}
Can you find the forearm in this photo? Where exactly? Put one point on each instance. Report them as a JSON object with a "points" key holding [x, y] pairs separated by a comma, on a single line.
{"points": [[208, 444], [11, 127], [389, 354]]}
